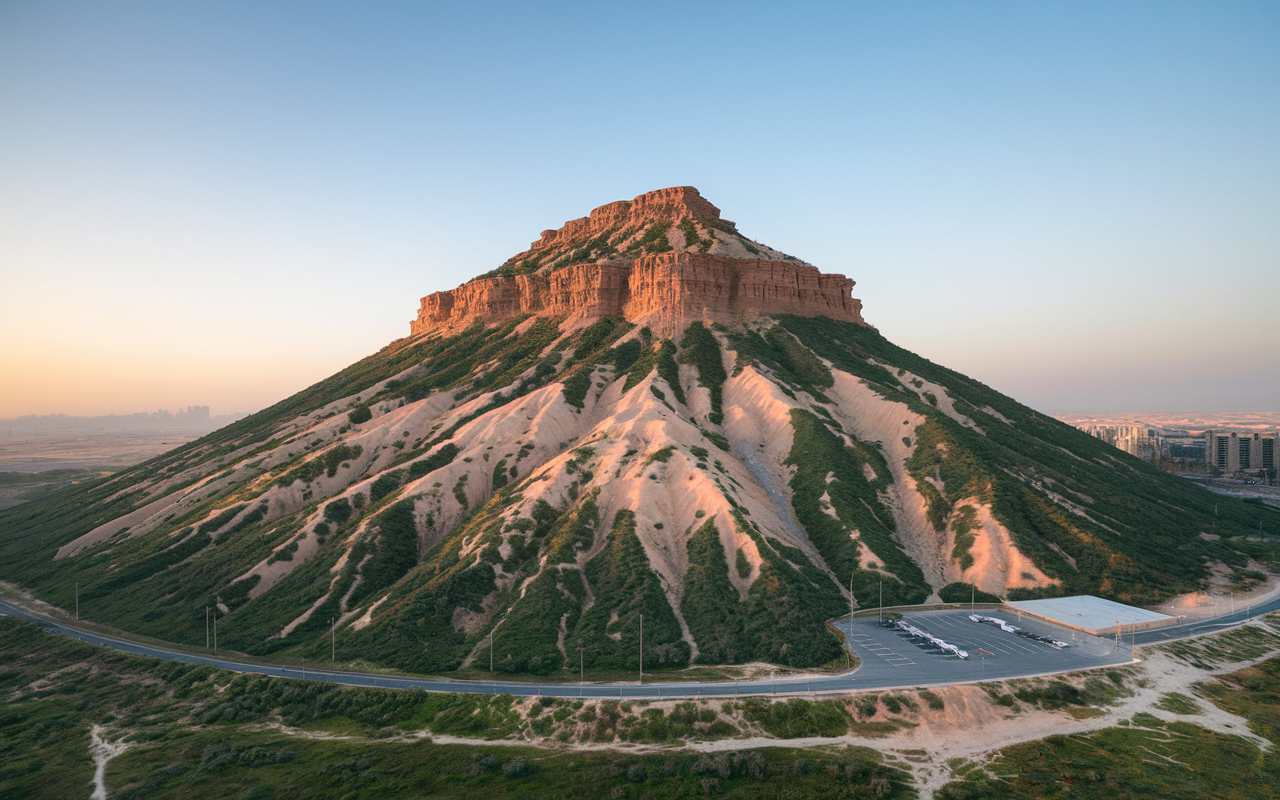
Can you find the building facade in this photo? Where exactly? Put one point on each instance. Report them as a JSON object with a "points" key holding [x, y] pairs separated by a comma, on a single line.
{"points": [[1230, 451]]}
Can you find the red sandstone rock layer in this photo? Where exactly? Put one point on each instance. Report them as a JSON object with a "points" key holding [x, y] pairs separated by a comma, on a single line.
{"points": [[669, 205], [663, 289], [665, 257]]}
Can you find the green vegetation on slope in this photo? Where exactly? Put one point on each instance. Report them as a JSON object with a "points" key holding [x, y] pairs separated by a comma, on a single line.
{"points": [[527, 638], [700, 348], [787, 607], [1148, 758], [780, 621], [825, 465], [710, 601], [782, 353], [626, 587], [1140, 541]]}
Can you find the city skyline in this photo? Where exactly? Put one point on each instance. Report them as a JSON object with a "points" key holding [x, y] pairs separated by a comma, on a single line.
{"points": [[222, 206]]}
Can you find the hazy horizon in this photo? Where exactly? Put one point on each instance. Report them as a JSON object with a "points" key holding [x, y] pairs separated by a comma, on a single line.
{"points": [[223, 205]]}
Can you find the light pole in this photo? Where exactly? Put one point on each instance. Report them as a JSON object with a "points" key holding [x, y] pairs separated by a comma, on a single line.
{"points": [[882, 599], [206, 627], [333, 639], [77, 601], [642, 648], [848, 648], [215, 630]]}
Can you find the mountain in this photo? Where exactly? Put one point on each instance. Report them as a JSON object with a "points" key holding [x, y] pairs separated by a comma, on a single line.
{"points": [[646, 413]]}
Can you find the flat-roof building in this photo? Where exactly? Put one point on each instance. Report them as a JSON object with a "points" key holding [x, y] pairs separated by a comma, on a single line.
{"points": [[1240, 452], [1091, 614]]}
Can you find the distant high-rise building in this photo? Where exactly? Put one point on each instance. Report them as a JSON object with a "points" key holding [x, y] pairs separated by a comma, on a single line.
{"points": [[1230, 451]]}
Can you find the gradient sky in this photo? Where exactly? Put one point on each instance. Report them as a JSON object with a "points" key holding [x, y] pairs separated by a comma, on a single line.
{"points": [[221, 203]]}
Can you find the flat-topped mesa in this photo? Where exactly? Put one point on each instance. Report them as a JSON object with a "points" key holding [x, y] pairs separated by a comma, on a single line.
{"points": [[662, 259]]}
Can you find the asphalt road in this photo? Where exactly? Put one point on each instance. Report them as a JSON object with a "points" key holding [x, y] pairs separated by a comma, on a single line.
{"points": [[890, 659]]}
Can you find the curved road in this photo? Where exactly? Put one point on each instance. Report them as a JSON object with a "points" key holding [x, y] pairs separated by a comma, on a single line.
{"points": [[791, 686]]}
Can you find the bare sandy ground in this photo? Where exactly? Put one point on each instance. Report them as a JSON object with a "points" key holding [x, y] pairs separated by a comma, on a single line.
{"points": [[1221, 597], [106, 450], [103, 751]]}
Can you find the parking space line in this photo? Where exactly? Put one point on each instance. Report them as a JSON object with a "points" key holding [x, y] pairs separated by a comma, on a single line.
{"points": [[885, 653]]}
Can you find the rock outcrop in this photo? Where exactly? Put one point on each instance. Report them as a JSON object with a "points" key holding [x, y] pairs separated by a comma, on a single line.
{"points": [[665, 205], [663, 258]]}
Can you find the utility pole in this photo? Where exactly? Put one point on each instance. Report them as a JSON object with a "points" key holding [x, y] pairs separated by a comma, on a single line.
{"points": [[848, 648], [850, 597], [581, 672], [642, 648], [215, 630], [333, 639], [78, 589], [973, 592], [206, 627], [491, 651]]}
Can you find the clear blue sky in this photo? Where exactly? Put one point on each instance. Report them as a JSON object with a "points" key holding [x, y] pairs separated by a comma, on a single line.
{"points": [[221, 203]]}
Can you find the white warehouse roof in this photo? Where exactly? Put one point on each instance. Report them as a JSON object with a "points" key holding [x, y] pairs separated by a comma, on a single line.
{"points": [[1091, 614]]}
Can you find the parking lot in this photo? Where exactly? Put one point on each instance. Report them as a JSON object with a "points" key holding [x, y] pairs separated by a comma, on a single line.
{"points": [[892, 657]]}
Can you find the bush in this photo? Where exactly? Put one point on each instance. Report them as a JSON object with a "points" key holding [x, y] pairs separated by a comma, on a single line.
{"points": [[360, 415], [576, 386], [426, 466], [385, 485], [798, 718], [662, 454], [338, 511]]}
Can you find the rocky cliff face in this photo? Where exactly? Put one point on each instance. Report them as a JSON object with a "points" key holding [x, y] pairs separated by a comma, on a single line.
{"points": [[660, 290], [664, 258]]}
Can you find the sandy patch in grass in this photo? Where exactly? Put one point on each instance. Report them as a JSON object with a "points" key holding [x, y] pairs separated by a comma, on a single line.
{"points": [[108, 529], [102, 751], [998, 564]]}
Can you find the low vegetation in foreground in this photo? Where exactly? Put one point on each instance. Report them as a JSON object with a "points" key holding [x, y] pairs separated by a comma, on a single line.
{"points": [[194, 731], [199, 732]]}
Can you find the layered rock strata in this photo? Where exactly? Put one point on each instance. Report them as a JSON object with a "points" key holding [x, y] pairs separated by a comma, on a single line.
{"points": [[660, 288], [665, 257]]}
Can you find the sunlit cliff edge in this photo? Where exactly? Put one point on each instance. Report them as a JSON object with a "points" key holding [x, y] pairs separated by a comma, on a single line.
{"points": [[662, 259]]}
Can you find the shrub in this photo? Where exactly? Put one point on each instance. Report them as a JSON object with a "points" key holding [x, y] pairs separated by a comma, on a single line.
{"points": [[338, 511], [426, 466], [576, 386], [655, 239], [385, 484], [662, 454], [360, 415]]}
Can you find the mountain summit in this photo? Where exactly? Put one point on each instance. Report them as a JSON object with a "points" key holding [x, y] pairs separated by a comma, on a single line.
{"points": [[662, 260], [643, 414]]}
